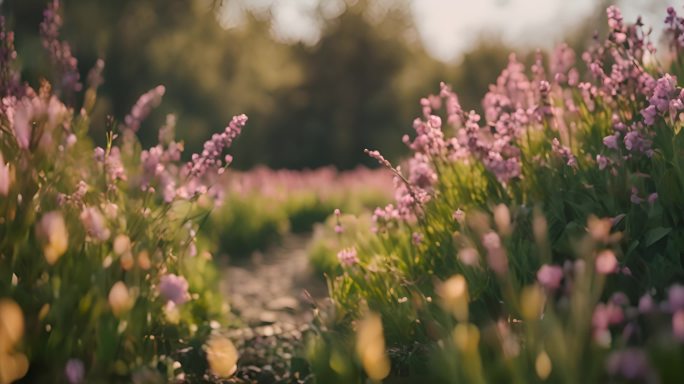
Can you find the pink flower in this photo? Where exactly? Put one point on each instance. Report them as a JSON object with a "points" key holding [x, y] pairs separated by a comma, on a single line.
{"points": [[611, 141], [143, 107], [678, 325], [675, 297], [174, 288], [5, 177], [646, 304], [347, 256], [74, 371], [95, 224], [606, 262], [550, 276]]}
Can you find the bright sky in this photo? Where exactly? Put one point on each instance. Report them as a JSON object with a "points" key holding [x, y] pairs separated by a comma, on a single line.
{"points": [[449, 27]]}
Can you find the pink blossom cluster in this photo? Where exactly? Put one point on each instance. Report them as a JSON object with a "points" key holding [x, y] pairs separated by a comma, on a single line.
{"points": [[213, 148], [142, 108], [347, 256]]}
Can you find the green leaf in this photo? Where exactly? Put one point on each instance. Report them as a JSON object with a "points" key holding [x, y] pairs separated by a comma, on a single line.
{"points": [[656, 234]]}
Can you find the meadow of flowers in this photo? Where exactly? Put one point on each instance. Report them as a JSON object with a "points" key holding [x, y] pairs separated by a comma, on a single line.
{"points": [[257, 208], [101, 278], [539, 240]]}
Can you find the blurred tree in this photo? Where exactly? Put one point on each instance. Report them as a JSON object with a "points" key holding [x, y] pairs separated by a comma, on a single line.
{"points": [[309, 105]]}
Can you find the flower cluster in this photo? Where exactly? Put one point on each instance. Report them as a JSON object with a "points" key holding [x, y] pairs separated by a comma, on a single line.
{"points": [[59, 51], [142, 108]]}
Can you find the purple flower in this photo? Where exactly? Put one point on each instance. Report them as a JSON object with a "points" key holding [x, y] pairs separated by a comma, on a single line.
{"points": [[550, 276], [95, 224], [631, 364], [143, 107], [611, 141], [675, 297], [602, 162], [649, 113], [174, 288], [213, 148], [59, 51], [74, 371], [646, 304], [564, 152], [634, 197]]}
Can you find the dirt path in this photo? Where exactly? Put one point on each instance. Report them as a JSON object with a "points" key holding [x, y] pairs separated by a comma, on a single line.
{"points": [[271, 293]]}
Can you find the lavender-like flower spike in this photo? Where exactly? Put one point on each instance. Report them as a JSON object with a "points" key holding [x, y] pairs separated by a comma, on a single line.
{"points": [[95, 78], [380, 158], [143, 107], [213, 148], [59, 51], [9, 79]]}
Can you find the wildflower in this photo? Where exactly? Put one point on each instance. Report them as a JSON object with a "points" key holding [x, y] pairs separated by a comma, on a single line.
{"points": [[95, 78], [678, 325], [377, 156], [611, 141], [466, 337], [13, 365], [606, 263], [56, 239], [606, 315], [542, 365], [469, 256], [630, 363], [144, 260], [496, 255], [602, 162], [11, 324], [675, 297], [652, 198], [122, 244], [143, 107], [120, 300], [502, 219], [417, 238], [59, 51], [347, 256], [370, 347], [532, 302], [74, 371], [454, 296], [211, 152], [550, 276], [222, 356], [646, 304], [6, 176], [174, 288], [95, 224]]}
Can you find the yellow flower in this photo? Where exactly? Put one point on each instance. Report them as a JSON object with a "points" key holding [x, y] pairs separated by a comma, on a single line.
{"points": [[454, 295], [13, 366], [52, 230], [370, 347], [222, 356], [120, 299]]}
